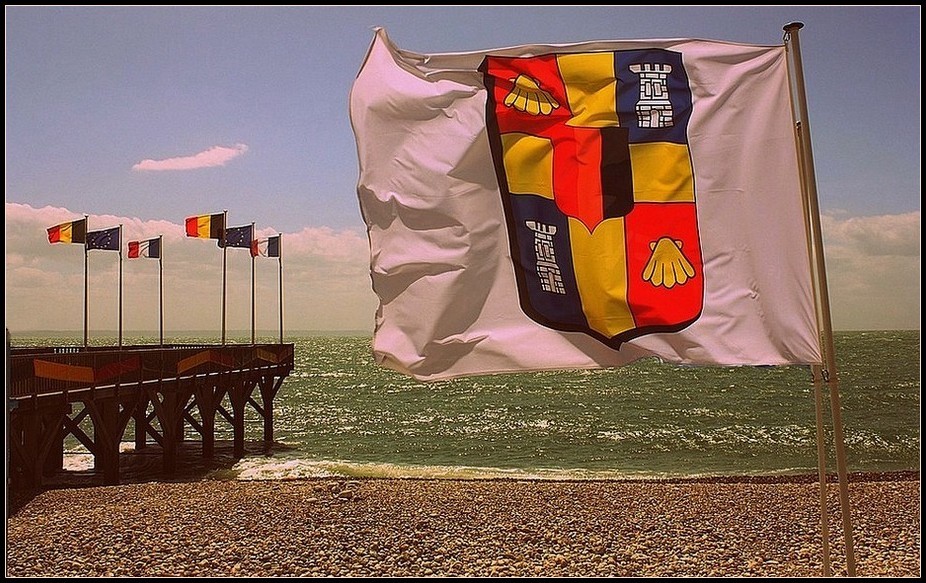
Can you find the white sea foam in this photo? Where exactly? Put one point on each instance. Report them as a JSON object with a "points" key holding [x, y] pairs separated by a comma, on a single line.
{"points": [[288, 469]]}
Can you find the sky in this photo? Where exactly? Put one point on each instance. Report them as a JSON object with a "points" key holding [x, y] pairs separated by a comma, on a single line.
{"points": [[143, 116]]}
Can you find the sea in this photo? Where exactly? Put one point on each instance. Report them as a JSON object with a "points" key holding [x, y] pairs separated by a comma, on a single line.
{"points": [[339, 414]]}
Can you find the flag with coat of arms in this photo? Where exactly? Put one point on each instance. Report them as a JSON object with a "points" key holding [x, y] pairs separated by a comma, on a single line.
{"points": [[582, 206]]}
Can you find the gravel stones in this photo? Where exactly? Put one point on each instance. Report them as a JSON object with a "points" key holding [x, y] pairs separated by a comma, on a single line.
{"points": [[384, 527]]}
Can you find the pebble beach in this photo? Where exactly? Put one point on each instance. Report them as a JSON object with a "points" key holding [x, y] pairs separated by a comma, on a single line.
{"points": [[411, 527]]}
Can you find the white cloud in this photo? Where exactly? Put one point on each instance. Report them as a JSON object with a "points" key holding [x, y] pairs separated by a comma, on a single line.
{"points": [[214, 156], [897, 235], [873, 270]]}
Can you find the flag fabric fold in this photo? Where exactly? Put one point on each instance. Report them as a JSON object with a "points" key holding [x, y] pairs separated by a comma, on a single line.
{"points": [[105, 239], [582, 206], [206, 226], [71, 232], [150, 248]]}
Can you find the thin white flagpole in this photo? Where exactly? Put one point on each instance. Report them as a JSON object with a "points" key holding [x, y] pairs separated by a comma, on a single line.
{"points": [[120, 286], [160, 285], [86, 279], [816, 373], [280, 259], [224, 256], [252, 286], [828, 371]]}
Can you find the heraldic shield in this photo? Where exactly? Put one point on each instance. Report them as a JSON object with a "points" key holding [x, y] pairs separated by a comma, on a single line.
{"points": [[591, 153]]}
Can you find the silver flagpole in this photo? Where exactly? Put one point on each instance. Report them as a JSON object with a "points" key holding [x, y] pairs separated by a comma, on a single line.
{"points": [[161, 286], [120, 286], [816, 372], [224, 256], [280, 259], [252, 285], [828, 371], [86, 278]]}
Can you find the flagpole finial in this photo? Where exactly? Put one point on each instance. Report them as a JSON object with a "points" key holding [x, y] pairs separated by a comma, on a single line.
{"points": [[796, 25]]}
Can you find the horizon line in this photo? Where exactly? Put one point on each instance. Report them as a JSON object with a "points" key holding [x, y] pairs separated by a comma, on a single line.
{"points": [[276, 332], [190, 332]]}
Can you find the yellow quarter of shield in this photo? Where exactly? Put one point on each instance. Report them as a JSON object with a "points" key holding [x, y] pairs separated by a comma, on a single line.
{"points": [[601, 274], [590, 88], [528, 164], [661, 172]]}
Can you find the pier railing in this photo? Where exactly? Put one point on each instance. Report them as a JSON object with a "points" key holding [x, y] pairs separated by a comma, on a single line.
{"points": [[37, 371]]}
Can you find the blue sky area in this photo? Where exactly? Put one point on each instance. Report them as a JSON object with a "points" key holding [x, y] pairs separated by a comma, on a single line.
{"points": [[260, 94]]}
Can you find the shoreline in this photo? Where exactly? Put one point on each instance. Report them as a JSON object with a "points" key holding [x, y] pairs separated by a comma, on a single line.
{"points": [[263, 463], [444, 527], [803, 478]]}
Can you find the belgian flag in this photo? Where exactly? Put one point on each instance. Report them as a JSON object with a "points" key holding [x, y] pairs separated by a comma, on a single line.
{"points": [[206, 226], [72, 232]]}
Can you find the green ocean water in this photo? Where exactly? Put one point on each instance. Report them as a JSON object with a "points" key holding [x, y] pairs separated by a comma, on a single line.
{"points": [[341, 414]]}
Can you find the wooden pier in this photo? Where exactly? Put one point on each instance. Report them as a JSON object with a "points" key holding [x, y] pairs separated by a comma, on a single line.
{"points": [[54, 392]]}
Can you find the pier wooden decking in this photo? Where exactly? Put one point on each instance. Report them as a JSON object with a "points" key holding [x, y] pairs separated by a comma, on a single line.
{"points": [[51, 391]]}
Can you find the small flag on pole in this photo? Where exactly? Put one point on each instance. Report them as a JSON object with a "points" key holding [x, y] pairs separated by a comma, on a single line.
{"points": [[266, 247], [238, 237], [206, 226], [150, 248], [106, 239], [72, 232], [211, 227]]}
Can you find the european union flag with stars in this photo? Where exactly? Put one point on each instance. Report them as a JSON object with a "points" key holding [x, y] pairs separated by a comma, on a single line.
{"points": [[107, 239], [238, 236]]}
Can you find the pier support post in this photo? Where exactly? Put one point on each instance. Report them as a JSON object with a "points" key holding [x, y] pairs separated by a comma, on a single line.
{"points": [[33, 434], [208, 396], [106, 435], [269, 386], [54, 423], [30, 444], [141, 423], [169, 410], [238, 395]]}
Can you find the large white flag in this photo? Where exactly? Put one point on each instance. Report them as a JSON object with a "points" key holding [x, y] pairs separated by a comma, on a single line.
{"points": [[582, 206]]}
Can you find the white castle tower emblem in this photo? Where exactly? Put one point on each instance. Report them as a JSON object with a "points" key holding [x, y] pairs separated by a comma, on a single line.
{"points": [[654, 110]]}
